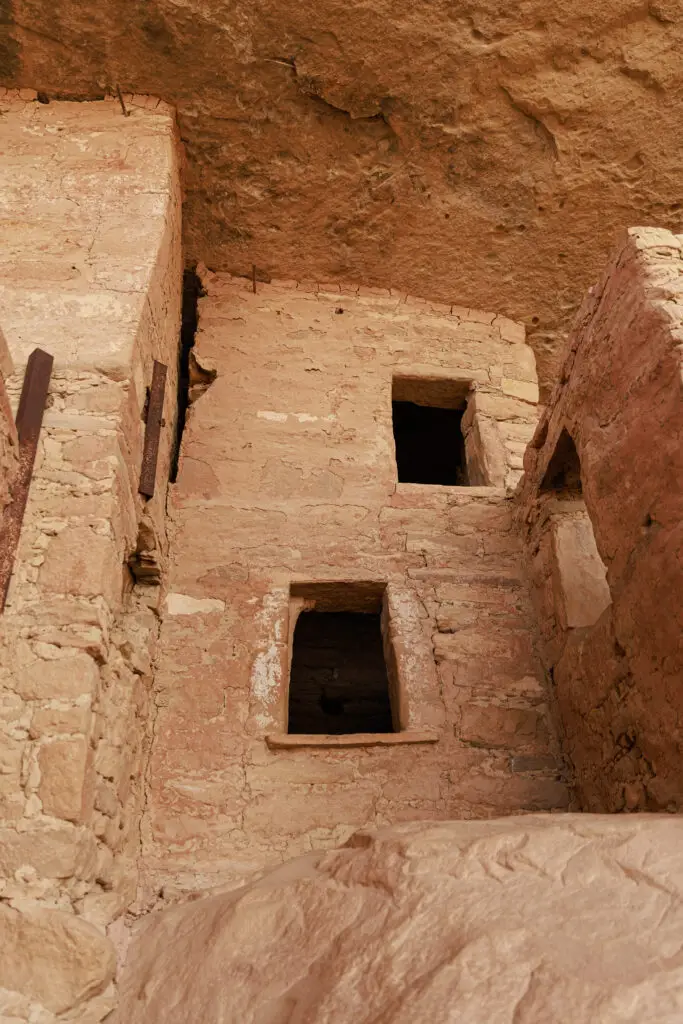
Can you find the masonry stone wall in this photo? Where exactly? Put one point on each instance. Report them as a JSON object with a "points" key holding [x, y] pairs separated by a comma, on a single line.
{"points": [[605, 555], [145, 656], [90, 271], [287, 486]]}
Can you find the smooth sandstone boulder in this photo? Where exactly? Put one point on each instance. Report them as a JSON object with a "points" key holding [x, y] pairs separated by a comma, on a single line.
{"points": [[521, 920], [53, 958]]}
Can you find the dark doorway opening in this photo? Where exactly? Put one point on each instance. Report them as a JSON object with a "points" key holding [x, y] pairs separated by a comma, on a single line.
{"points": [[430, 447], [564, 469], [338, 680]]}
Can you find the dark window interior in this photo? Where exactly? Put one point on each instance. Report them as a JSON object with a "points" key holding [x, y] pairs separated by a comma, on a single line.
{"points": [[564, 469], [338, 681], [430, 447]]}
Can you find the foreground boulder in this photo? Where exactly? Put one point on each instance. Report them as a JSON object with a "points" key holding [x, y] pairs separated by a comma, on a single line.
{"points": [[53, 966], [571, 918]]}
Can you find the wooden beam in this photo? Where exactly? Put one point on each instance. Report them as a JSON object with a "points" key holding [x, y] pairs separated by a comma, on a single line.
{"points": [[29, 421], [155, 415]]}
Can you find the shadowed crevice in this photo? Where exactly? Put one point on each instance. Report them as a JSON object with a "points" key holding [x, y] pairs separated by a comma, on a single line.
{"points": [[192, 379], [9, 46]]}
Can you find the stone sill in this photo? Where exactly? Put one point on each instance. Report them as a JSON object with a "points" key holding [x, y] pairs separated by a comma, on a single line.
{"points": [[473, 491], [291, 741]]}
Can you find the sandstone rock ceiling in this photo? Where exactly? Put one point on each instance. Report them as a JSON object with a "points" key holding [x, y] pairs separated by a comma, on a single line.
{"points": [[475, 152]]}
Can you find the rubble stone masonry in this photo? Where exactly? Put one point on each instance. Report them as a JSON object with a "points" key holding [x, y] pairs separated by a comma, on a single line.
{"points": [[90, 271], [288, 482]]}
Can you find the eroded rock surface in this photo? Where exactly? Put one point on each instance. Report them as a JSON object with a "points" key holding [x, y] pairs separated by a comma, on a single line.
{"points": [[54, 958], [477, 153], [526, 919], [602, 511]]}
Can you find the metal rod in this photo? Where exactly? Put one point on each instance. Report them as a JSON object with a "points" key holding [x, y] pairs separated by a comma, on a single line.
{"points": [[28, 423], [155, 412], [126, 113]]}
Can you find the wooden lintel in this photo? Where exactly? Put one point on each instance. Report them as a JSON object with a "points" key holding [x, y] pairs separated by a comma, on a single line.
{"points": [[155, 413], [29, 421]]}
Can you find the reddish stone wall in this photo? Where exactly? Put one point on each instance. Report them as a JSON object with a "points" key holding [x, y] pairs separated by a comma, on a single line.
{"points": [[617, 669], [91, 272]]}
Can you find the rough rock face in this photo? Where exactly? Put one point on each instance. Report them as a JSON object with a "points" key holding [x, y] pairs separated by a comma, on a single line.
{"points": [[602, 506], [530, 919], [476, 153], [55, 959]]}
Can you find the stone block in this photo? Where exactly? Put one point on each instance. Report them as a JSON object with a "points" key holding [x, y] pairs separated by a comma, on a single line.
{"points": [[499, 406], [52, 721], [485, 453], [304, 771], [275, 812], [11, 707], [82, 563], [506, 794], [105, 799], [12, 799], [579, 577], [104, 397], [520, 364], [510, 330], [494, 726], [100, 909], [63, 765], [526, 391], [58, 678], [61, 852], [11, 751], [536, 763]]}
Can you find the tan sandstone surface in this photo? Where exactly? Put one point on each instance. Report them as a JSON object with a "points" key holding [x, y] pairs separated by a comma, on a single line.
{"points": [[478, 152], [89, 270], [528, 920], [288, 480]]}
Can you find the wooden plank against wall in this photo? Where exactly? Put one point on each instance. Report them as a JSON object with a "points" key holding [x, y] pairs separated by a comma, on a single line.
{"points": [[155, 412], [29, 421]]}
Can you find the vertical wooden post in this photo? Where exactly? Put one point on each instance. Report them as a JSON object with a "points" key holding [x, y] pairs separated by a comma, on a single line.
{"points": [[29, 420], [155, 413]]}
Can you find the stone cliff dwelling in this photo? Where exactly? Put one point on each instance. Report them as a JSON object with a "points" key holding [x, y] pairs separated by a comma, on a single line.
{"points": [[341, 667]]}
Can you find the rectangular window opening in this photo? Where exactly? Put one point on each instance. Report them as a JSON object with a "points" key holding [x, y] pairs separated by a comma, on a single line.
{"points": [[339, 683], [427, 420]]}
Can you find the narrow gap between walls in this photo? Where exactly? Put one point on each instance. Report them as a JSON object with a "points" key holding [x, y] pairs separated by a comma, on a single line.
{"points": [[192, 292]]}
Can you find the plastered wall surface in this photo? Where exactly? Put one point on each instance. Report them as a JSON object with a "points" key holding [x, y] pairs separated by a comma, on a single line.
{"points": [[90, 271], [617, 657], [287, 474]]}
